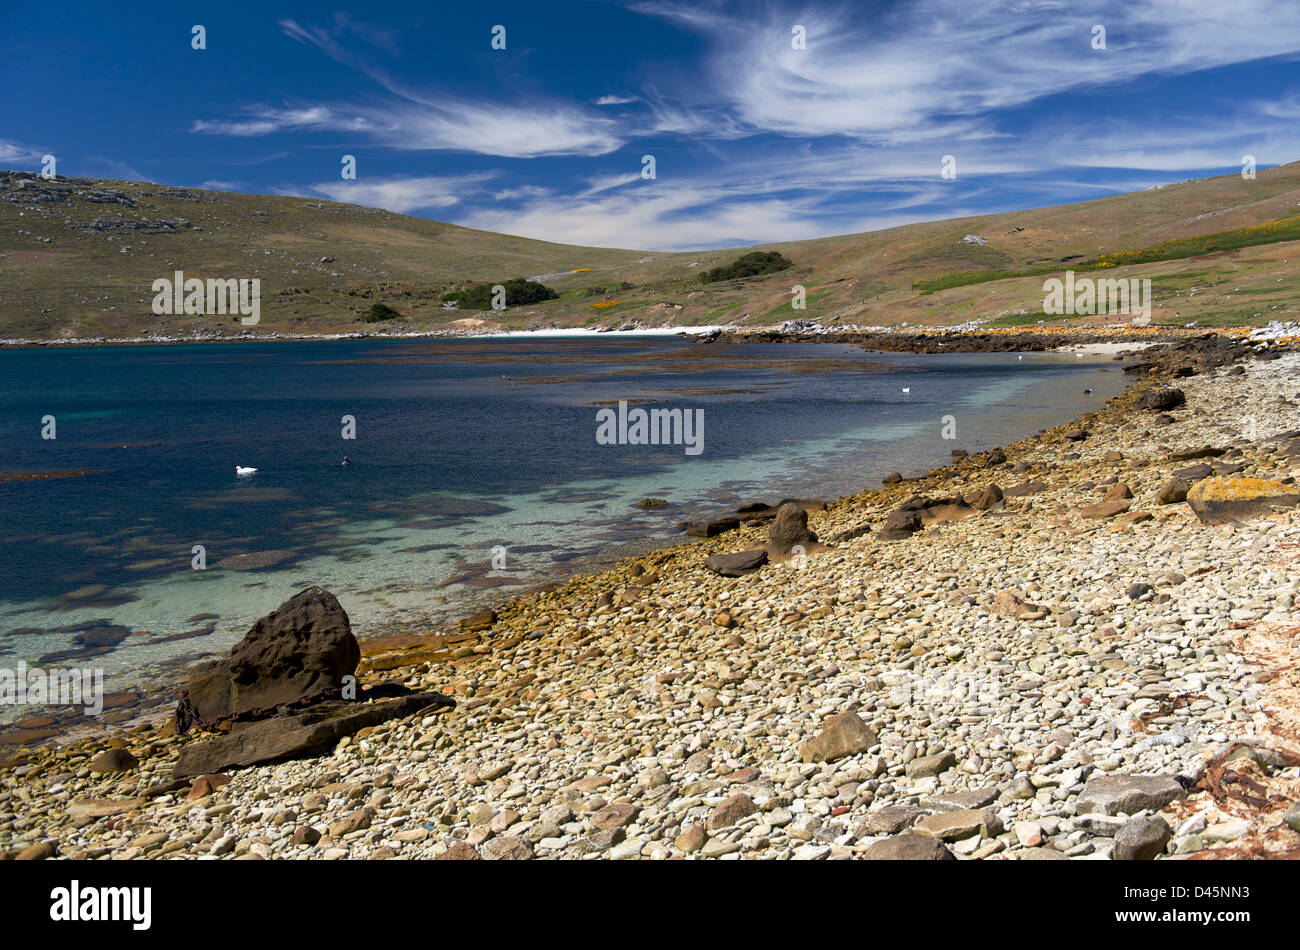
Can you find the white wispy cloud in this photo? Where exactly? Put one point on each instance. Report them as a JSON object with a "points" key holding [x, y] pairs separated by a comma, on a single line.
{"points": [[934, 67], [16, 153], [265, 121], [671, 219], [404, 194], [601, 183], [423, 120], [507, 131]]}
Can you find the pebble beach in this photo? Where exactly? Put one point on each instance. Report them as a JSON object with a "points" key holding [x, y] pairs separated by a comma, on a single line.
{"points": [[1080, 669]]}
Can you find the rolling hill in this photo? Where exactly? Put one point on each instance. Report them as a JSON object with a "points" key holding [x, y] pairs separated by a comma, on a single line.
{"points": [[78, 258]]}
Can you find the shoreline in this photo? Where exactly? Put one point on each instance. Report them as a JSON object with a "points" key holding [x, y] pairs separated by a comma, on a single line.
{"points": [[423, 660], [958, 338]]}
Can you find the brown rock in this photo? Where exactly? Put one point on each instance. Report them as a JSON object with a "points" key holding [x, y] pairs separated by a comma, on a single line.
{"points": [[1106, 509], [618, 815], [507, 849], [691, 839], [1173, 491], [730, 811], [710, 529], [460, 851], [908, 847], [38, 852], [841, 735], [1012, 605], [989, 497], [789, 529], [207, 784], [900, 524], [1028, 488], [114, 760], [738, 564], [478, 621], [955, 825], [310, 732], [891, 819], [358, 820]]}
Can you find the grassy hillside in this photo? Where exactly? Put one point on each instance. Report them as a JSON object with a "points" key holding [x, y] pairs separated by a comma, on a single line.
{"points": [[78, 258]]}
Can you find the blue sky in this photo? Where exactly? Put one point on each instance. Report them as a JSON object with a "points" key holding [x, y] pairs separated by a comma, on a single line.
{"points": [[753, 140]]}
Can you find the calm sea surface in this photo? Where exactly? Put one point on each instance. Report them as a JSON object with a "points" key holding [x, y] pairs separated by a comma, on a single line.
{"points": [[464, 450]]}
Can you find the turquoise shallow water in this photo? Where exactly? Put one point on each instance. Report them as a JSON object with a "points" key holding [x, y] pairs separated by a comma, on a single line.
{"points": [[464, 449]]}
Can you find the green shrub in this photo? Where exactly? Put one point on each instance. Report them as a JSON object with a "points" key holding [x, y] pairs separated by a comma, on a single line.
{"points": [[748, 265], [519, 292], [379, 312]]}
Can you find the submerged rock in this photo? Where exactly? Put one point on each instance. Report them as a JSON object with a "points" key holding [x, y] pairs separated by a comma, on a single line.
{"points": [[709, 529]]}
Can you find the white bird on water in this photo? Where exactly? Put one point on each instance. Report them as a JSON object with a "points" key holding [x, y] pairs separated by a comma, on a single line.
{"points": [[243, 471], [907, 390]]}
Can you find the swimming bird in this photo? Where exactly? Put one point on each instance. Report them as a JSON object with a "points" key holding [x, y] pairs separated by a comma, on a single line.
{"points": [[907, 390], [1087, 390], [242, 471]]}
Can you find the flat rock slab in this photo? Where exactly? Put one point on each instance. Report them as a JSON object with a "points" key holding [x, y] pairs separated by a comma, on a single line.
{"points": [[928, 765], [1106, 509], [311, 732], [738, 564], [955, 825], [1028, 488], [102, 807], [908, 847], [960, 801], [891, 819], [1112, 794], [1231, 500]]}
